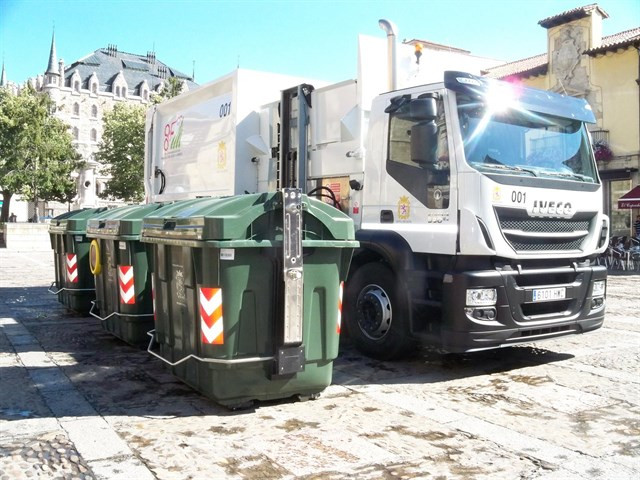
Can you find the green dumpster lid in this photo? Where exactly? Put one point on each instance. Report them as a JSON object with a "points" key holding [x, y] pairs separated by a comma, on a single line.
{"points": [[244, 217], [75, 221], [121, 222]]}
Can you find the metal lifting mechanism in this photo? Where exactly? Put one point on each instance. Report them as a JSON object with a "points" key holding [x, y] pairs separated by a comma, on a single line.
{"points": [[294, 117], [291, 355]]}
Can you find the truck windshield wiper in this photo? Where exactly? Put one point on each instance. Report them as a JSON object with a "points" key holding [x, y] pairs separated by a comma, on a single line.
{"points": [[491, 162], [578, 176]]}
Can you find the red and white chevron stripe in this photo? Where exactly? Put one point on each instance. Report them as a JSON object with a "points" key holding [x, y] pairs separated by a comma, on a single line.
{"points": [[211, 316], [340, 306], [72, 267], [127, 287]]}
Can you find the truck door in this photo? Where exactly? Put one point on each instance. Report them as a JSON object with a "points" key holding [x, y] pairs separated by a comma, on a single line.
{"points": [[419, 199]]}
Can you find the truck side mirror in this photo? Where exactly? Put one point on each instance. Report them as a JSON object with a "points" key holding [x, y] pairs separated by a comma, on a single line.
{"points": [[424, 142], [423, 109]]}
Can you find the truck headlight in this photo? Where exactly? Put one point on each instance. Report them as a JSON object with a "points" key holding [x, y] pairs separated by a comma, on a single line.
{"points": [[481, 296], [599, 288]]}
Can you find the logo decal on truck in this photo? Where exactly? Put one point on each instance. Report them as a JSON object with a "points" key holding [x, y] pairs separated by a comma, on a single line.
{"points": [[404, 208], [547, 208], [173, 134]]}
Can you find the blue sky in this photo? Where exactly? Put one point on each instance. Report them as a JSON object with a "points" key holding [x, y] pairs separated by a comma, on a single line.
{"points": [[315, 39]]}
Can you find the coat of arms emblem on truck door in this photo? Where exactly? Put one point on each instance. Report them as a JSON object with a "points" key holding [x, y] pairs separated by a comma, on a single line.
{"points": [[222, 155], [404, 208]]}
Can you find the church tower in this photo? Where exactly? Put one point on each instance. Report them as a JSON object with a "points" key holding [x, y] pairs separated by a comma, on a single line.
{"points": [[52, 77], [3, 77]]}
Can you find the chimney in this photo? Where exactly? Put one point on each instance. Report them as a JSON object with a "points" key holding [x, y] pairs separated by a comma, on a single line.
{"points": [[390, 28], [151, 57]]}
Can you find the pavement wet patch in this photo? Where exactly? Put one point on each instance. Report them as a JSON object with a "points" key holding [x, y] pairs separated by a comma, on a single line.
{"points": [[295, 424], [258, 467], [430, 436], [531, 379], [221, 430]]}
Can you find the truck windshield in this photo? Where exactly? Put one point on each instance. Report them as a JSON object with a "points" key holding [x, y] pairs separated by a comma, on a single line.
{"points": [[511, 141]]}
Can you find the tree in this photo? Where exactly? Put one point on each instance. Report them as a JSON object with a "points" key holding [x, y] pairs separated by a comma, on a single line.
{"points": [[172, 87], [121, 152], [37, 156]]}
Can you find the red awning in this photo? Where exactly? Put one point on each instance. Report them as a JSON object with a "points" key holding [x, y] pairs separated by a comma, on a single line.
{"points": [[631, 199]]}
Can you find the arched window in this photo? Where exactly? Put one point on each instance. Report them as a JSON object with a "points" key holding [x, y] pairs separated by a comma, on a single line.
{"points": [[94, 111], [117, 91], [145, 94], [76, 86], [94, 135], [124, 91], [76, 133], [76, 109], [94, 88]]}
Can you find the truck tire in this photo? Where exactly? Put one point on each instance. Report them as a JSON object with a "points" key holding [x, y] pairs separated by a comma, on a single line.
{"points": [[376, 313]]}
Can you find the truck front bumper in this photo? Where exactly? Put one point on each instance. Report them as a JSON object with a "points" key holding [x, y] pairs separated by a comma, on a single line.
{"points": [[517, 317]]}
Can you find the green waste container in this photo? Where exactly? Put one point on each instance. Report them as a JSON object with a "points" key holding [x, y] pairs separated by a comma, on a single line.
{"points": [[248, 293], [73, 280], [118, 262]]}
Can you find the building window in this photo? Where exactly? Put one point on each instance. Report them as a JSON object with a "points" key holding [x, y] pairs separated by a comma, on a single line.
{"points": [[94, 88], [94, 135], [76, 133], [620, 220], [76, 86], [76, 109], [94, 111], [124, 91], [145, 94], [117, 91]]}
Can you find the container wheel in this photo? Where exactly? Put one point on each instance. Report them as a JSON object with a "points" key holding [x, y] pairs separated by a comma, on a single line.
{"points": [[376, 313]]}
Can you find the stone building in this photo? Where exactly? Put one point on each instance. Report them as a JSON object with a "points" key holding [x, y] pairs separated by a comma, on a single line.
{"points": [[87, 88], [605, 70]]}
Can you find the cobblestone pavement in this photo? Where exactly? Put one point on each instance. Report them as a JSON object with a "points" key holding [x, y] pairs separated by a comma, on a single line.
{"points": [[76, 402]]}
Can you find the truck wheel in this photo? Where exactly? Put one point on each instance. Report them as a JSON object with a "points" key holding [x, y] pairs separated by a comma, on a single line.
{"points": [[376, 313]]}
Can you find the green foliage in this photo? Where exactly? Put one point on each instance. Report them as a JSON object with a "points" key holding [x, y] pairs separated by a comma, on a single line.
{"points": [[121, 152], [37, 156], [172, 87]]}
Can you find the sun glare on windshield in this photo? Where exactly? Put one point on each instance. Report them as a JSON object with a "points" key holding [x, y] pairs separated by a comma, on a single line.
{"points": [[501, 137]]}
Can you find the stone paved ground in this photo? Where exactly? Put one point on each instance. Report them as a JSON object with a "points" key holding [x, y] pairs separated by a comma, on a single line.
{"points": [[77, 403]]}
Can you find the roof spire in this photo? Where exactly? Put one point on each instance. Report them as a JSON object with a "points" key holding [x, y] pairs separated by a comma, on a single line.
{"points": [[3, 77], [52, 68]]}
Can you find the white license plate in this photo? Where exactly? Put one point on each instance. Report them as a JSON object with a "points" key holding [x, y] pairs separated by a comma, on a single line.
{"points": [[549, 294]]}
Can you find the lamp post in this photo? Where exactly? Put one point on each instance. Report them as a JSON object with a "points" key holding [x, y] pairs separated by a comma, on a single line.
{"points": [[36, 216]]}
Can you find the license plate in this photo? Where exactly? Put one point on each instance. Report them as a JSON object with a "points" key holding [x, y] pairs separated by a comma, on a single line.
{"points": [[549, 294]]}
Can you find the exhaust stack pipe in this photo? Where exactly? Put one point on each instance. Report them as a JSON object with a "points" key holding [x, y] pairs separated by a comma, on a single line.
{"points": [[390, 28]]}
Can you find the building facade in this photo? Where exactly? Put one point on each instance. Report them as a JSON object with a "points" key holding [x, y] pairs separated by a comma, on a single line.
{"points": [[605, 70], [87, 88]]}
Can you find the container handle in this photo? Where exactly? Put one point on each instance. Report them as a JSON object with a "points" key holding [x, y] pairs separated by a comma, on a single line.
{"points": [[93, 304], [68, 289], [151, 333]]}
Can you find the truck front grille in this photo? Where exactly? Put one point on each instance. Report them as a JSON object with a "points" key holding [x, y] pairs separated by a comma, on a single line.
{"points": [[526, 234]]}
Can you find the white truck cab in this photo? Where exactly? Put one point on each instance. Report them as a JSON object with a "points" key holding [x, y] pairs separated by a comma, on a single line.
{"points": [[481, 220]]}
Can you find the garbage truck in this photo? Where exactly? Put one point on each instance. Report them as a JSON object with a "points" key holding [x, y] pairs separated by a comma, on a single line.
{"points": [[477, 203]]}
